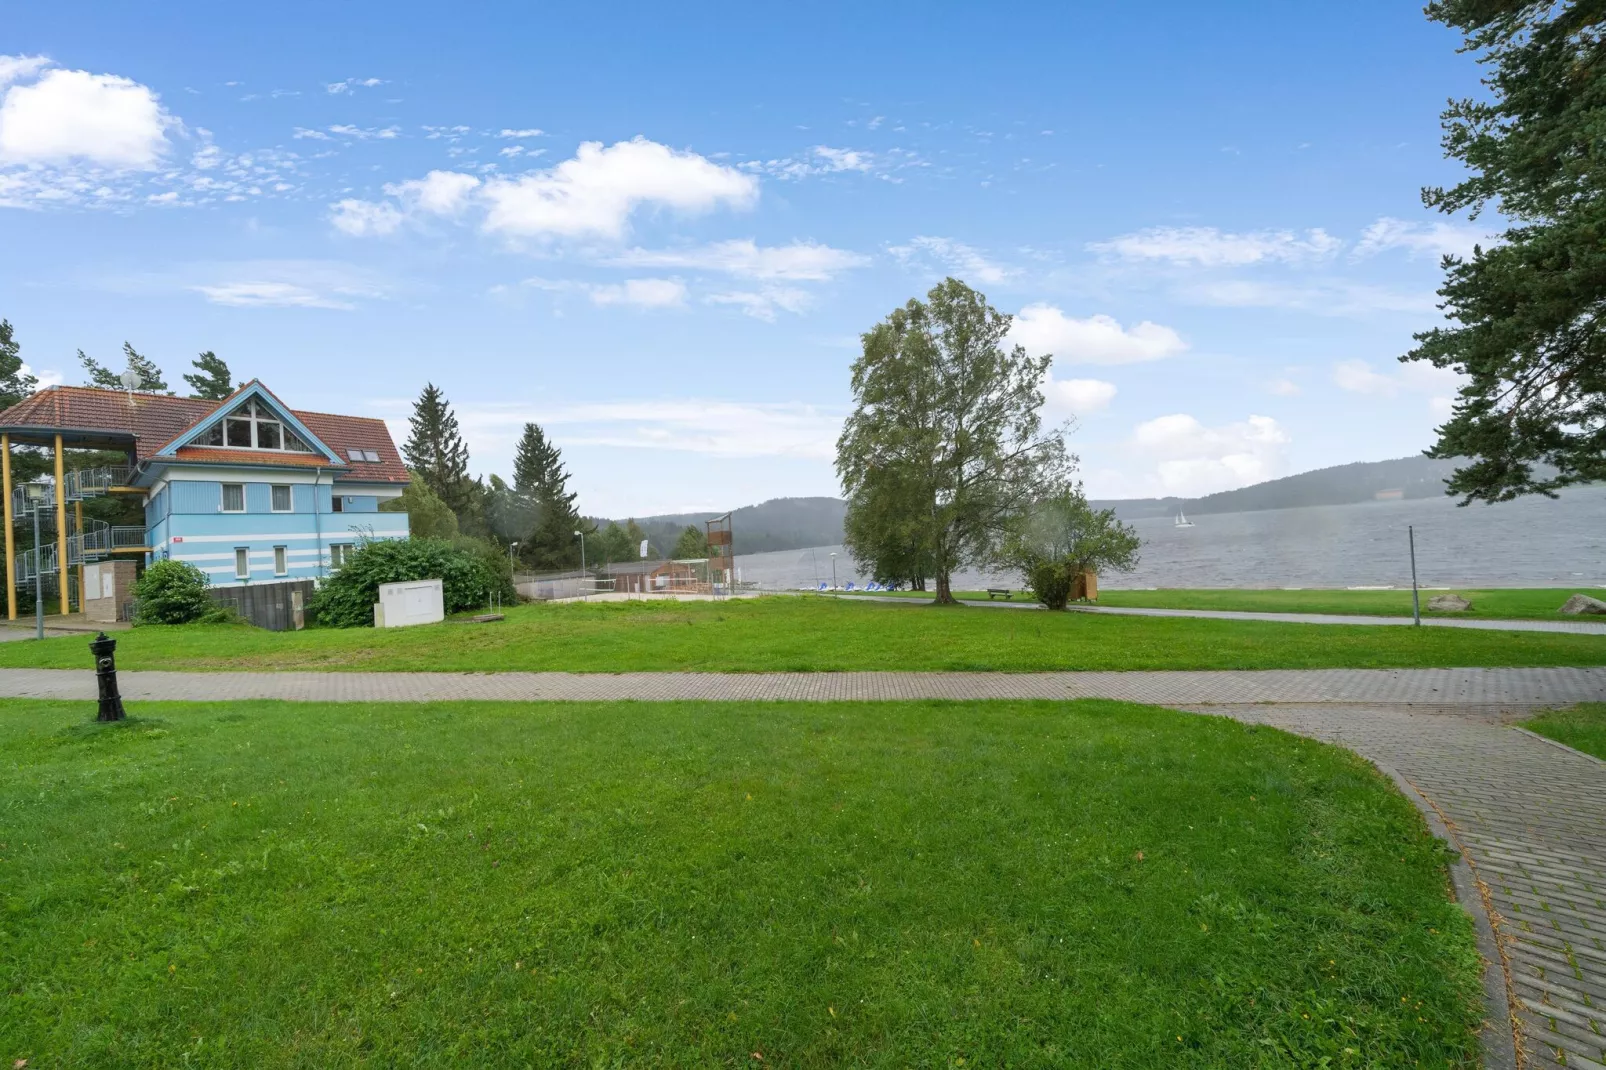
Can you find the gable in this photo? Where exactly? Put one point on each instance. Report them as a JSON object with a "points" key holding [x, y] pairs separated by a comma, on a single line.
{"points": [[253, 419]]}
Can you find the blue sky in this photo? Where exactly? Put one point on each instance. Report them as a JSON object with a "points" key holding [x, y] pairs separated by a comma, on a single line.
{"points": [[659, 232]]}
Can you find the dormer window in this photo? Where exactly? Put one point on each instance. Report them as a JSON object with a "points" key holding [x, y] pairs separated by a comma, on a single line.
{"points": [[253, 427]]}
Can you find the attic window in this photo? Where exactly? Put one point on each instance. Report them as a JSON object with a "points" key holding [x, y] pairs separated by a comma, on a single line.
{"points": [[363, 455], [253, 427]]}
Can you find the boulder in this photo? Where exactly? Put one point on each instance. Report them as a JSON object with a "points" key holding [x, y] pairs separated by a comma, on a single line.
{"points": [[1582, 603], [1449, 603]]}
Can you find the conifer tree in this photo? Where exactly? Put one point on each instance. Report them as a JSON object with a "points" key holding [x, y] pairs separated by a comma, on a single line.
{"points": [[436, 452], [15, 383], [150, 376], [693, 542], [211, 380], [99, 375], [539, 475]]}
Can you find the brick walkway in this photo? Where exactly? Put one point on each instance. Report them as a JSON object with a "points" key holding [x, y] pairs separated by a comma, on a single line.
{"points": [[1511, 687], [1528, 815], [1531, 818]]}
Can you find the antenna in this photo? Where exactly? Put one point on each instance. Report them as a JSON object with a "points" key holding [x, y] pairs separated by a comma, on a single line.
{"points": [[131, 383]]}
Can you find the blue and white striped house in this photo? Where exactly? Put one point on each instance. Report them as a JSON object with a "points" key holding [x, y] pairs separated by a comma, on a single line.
{"points": [[246, 489]]}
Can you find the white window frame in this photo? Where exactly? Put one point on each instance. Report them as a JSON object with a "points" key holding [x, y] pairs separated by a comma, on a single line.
{"points": [[242, 562], [223, 503], [289, 493], [337, 503], [255, 414], [281, 561], [339, 552]]}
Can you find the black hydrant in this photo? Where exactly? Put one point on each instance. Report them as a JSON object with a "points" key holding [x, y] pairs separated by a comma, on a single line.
{"points": [[111, 703]]}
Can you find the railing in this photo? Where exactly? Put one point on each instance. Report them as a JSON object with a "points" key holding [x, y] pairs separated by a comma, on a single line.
{"points": [[92, 482], [99, 539], [27, 563]]}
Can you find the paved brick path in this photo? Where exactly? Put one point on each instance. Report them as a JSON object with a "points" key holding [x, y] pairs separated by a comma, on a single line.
{"points": [[1520, 687], [1529, 816]]}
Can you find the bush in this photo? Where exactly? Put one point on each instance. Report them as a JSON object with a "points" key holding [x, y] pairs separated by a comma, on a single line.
{"points": [[1051, 582], [346, 599], [173, 592]]}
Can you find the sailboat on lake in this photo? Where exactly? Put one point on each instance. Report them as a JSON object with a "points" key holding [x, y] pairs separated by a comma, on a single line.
{"points": [[1182, 520]]}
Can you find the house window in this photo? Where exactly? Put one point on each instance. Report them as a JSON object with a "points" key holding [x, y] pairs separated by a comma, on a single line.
{"points": [[339, 553], [242, 563], [234, 497], [338, 504], [281, 498], [281, 564], [253, 427]]}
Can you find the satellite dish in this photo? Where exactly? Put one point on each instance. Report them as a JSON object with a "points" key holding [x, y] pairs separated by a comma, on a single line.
{"points": [[130, 379]]}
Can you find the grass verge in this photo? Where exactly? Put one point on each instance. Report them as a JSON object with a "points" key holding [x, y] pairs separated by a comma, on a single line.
{"points": [[807, 634], [1581, 727], [1029, 884], [1540, 603]]}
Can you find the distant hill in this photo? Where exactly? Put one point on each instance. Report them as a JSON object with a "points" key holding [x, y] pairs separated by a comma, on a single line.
{"points": [[778, 524], [795, 523], [1345, 484]]}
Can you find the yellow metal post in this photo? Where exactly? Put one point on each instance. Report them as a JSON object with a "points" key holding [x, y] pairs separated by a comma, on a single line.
{"points": [[78, 527], [61, 525], [11, 536]]}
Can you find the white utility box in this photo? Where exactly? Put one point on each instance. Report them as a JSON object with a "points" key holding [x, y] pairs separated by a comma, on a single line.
{"points": [[412, 602]]}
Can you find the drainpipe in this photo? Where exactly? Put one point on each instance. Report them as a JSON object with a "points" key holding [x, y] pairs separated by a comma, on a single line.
{"points": [[317, 516]]}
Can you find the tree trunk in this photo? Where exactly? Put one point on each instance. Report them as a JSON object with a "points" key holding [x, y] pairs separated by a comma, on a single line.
{"points": [[945, 597]]}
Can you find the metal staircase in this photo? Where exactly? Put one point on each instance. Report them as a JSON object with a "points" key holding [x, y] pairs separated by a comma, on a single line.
{"points": [[95, 542]]}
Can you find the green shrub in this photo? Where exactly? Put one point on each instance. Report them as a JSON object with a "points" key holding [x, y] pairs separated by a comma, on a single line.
{"points": [[1051, 582], [173, 592], [346, 599]]}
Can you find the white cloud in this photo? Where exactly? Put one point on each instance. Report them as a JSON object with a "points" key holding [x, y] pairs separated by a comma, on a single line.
{"points": [[818, 160], [1042, 328], [365, 133], [1413, 377], [531, 132], [439, 192], [67, 116], [1191, 459], [1326, 298], [641, 293], [1209, 247], [1418, 239], [1077, 396], [365, 218], [764, 303], [349, 84], [953, 256], [596, 192], [744, 258], [1283, 388], [46, 377], [269, 295], [21, 68]]}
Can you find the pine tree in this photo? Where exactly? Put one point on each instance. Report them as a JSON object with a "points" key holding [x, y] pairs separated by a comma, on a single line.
{"points": [[211, 380], [15, 383], [99, 375], [436, 452], [539, 475], [693, 543], [150, 376]]}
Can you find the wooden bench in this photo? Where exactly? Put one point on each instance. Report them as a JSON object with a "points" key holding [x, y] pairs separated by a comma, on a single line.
{"points": [[994, 592]]}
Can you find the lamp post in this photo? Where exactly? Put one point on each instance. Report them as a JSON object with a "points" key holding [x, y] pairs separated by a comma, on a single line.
{"points": [[510, 548], [35, 494], [582, 557], [833, 573]]}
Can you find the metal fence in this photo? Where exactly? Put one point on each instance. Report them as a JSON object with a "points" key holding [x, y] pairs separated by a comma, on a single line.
{"points": [[278, 607]]}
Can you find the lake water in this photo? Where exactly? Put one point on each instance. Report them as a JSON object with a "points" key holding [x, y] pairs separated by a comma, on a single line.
{"points": [[1531, 542]]}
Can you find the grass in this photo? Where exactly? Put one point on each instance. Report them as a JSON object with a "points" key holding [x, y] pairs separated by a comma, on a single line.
{"points": [[1540, 603], [796, 633], [1084, 884], [1581, 727]]}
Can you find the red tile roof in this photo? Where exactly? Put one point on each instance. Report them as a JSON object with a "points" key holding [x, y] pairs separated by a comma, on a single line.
{"points": [[152, 421], [218, 455]]}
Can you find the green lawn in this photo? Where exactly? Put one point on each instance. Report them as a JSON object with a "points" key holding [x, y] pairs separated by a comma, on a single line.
{"points": [[1581, 727], [1540, 603], [813, 634], [1026, 884]]}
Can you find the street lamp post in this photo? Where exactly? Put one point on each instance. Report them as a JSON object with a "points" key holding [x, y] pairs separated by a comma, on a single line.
{"points": [[833, 572], [510, 548], [583, 577]]}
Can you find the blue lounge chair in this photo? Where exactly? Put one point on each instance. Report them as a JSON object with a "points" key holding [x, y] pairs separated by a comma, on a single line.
{"points": [[849, 587], [823, 586]]}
